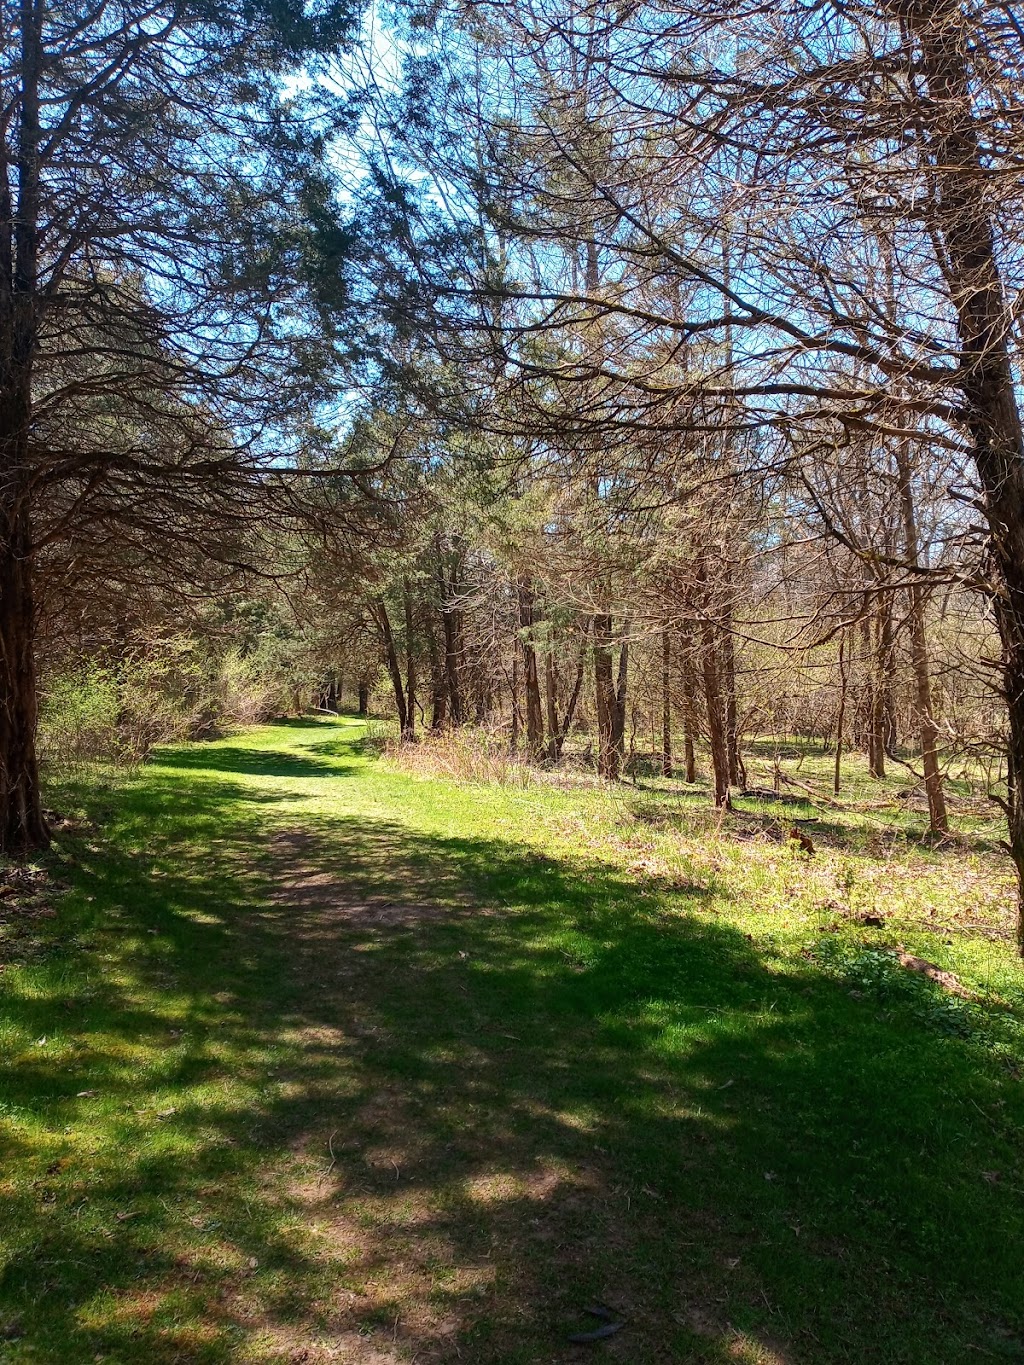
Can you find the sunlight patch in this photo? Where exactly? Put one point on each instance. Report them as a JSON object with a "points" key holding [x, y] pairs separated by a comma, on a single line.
{"points": [[747, 1351]]}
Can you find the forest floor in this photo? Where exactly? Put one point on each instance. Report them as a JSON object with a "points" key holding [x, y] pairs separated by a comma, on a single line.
{"points": [[305, 1057]]}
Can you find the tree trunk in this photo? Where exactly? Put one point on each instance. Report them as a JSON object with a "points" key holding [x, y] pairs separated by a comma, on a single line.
{"points": [[840, 719], [531, 680], [666, 702], [364, 697], [938, 820], [438, 685], [716, 715], [409, 731], [882, 729], [874, 674], [551, 705], [887, 682], [570, 710], [394, 668], [22, 823], [451, 621], [864, 672], [610, 698], [689, 710], [603, 693], [619, 700], [728, 686], [986, 371], [514, 734]]}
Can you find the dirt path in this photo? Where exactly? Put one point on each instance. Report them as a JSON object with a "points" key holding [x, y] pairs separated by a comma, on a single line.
{"points": [[453, 1233]]}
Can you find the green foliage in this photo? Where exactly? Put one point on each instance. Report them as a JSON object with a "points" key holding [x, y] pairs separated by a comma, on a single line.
{"points": [[167, 687], [876, 974], [78, 719]]}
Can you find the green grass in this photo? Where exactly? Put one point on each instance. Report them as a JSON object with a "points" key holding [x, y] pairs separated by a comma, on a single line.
{"points": [[326, 1060]]}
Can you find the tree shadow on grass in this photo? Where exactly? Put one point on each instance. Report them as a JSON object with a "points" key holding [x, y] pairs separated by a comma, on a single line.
{"points": [[257, 762], [430, 1097], [771, 816]]}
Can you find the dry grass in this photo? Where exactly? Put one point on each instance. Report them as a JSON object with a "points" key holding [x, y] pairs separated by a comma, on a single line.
{"points": [[468, 755]]}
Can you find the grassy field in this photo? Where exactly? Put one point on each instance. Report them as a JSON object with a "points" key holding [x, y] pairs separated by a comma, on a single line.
{"points": [[308, 1057]]}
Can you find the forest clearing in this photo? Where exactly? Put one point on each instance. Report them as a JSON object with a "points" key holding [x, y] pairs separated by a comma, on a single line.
{"points": [[308, 1057]]}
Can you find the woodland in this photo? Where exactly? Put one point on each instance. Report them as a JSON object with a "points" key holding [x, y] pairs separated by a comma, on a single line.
{"points": [[580, 371], [587, 436]]}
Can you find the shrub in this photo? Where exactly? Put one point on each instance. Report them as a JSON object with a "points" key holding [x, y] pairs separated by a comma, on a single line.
{"points": [[168, 687], [78, 719]]}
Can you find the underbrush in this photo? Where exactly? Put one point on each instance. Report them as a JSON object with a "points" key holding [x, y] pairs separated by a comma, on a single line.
{"points": [[166, 690], [880, 976], [864, 868]]}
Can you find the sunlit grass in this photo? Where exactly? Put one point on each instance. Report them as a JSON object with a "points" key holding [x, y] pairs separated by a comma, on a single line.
{"points": [[322, 1056]]}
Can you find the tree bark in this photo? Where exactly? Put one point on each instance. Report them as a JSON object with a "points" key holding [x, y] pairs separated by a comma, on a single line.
{"points": [[619, 714], [570, 710], [727, 675], [713, 699], [878, 663], [666, 702], [610, 698], [23, 826], [716, 714], [603, 693], [840, 718], [551, 705], [513, 742], [986, 378], [409, 730], [689, 710], [394, 668], [451, 622], [887, 669], [882, 729], [438, 685], [938, 820], [531, 680]]}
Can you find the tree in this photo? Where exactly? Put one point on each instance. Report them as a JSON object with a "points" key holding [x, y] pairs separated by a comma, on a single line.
{"points": [[867, 163], [164, 219]]}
